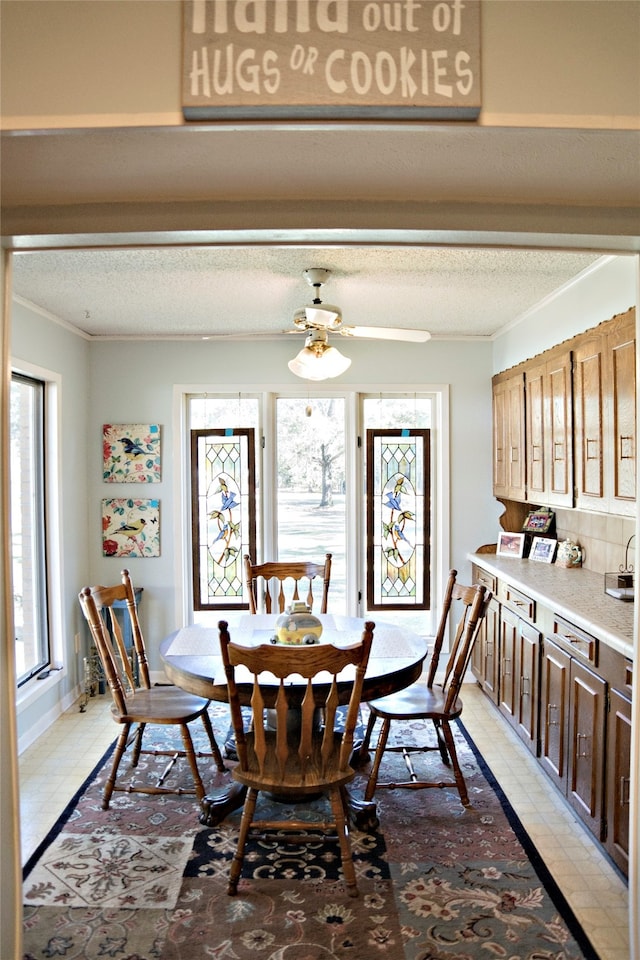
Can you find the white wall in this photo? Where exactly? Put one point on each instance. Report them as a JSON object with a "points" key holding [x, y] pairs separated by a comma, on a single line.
{"points": [[604, 290], [133, 382]]}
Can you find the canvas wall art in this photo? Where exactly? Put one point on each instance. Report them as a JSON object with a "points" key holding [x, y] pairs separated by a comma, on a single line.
{"points": [[131, 452], [130, 527]]}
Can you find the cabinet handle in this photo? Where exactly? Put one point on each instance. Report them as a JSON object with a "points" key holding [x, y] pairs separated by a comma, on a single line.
{"points": [[591, 449], [624, 791], [571, 638], [585, 753], [626, 448], [558, 450], [525, 688], [517, 603], [550, 722], [505, 672]]}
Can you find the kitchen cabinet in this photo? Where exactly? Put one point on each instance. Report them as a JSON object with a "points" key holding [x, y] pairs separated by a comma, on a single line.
{"points": [[564, 685], [484, 658], [574, 711], [549, 430], [621, 350], [572, 732], [564, 423], [509, 480], [519, 675], [605, 420], [618, 779]]}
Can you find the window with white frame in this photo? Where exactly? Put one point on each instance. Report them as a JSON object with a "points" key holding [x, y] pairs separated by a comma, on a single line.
{"points": [[29, 526], [310, 492]]}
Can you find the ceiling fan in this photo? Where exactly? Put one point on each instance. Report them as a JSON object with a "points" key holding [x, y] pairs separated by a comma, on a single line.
{"points": [[320, 361]]}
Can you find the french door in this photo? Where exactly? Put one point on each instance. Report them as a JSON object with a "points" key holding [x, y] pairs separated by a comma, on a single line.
{"points": [[289, 477]]}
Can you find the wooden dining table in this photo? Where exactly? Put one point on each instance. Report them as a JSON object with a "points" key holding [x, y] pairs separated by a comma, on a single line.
{"points": [[191, 659]]}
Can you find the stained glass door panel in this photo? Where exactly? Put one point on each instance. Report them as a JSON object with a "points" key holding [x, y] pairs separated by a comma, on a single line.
{"points": [[223, 515], [398, 512]]}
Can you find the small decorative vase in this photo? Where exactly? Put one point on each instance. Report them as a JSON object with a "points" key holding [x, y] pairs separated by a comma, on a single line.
{"points": [[297, 625], [569, 554]]}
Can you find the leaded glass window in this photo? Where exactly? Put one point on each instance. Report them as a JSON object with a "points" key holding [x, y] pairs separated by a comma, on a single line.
{"points": [[223, 515], [398, 511]]}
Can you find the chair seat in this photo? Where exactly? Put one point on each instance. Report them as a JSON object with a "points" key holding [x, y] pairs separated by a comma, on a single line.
{"points": [[294, 779], [418, 700], [161, 705]]}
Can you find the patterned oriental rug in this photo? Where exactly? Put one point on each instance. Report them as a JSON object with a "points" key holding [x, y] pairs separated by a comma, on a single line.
{"points": [[146, 881]]}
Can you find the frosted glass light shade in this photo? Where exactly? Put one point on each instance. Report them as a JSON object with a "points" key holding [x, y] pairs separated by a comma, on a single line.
{"points": [[313, 364]]}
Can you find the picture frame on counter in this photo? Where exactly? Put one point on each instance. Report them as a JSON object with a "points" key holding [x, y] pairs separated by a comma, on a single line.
{"points": [[543, 549], [539, 522], [510, 545]]}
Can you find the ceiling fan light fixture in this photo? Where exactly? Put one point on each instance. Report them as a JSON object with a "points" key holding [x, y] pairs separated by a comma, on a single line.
{"points": [[317, 360]]}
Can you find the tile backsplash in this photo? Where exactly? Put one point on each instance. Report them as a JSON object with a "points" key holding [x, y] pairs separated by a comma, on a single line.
{"points": [[603, 538]]}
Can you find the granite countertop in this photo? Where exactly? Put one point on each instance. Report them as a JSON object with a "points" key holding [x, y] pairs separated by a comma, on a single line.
{"points": [[574, 593]]}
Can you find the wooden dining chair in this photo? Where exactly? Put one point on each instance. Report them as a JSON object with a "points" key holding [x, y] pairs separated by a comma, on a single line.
{"points": [[293, 755], [430, 700], [283, 581], [135, 702]]}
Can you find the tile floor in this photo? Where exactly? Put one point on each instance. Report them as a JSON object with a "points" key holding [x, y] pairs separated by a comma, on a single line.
{"points": [[57, 764]]}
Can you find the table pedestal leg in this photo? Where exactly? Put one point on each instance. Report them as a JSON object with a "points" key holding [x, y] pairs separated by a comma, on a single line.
{"points": [[218, 806], [363, 814]]}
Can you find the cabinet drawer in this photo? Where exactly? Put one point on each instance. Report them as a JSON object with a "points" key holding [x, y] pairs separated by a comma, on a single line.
{"points": [[518, 601], [486, 579], [575, 640]]}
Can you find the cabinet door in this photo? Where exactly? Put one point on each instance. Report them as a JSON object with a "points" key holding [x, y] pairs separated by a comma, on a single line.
{"points": [[500, 441], [559, 432], [528, 662], [554, 712], [535, 405], [550, 432], [519, 675], [484, 663], [618, 779], [621, 348], [589, 415], [508, 686], [516, 459], [509, 477], [587, 706]]}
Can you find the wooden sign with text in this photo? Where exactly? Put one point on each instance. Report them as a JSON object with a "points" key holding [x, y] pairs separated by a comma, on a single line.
{"points": [[331, 59]]}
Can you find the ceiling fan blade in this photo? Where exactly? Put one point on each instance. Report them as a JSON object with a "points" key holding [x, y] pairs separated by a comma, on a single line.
{"points": [[386, 333]]}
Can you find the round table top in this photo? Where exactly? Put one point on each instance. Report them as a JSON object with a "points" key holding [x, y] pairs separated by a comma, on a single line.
{"points": [[191, 656]]}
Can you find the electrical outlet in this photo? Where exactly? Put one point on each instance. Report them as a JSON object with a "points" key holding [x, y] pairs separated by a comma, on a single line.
{"points": [[77, 642]]}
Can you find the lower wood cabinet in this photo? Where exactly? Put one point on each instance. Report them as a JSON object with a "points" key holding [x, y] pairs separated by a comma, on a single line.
{"points": [[485, 661], [568, 697], [618, 779], [519, 676], [573, 710]]}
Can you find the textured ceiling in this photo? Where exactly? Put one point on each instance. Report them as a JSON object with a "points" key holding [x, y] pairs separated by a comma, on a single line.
{"points": [[507, 216], [188, 292]]}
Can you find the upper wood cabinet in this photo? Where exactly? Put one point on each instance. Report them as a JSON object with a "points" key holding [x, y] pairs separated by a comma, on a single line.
{"points": [[605, 417], [564, 423], [509, 463], [621, 347], [549, 431]]}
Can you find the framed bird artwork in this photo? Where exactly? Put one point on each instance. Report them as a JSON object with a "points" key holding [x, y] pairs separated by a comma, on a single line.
{"points": [[131, 453], [130, 527]]}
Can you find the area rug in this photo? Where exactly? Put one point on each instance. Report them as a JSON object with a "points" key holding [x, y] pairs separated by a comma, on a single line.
{"points": [[145, 880]]}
